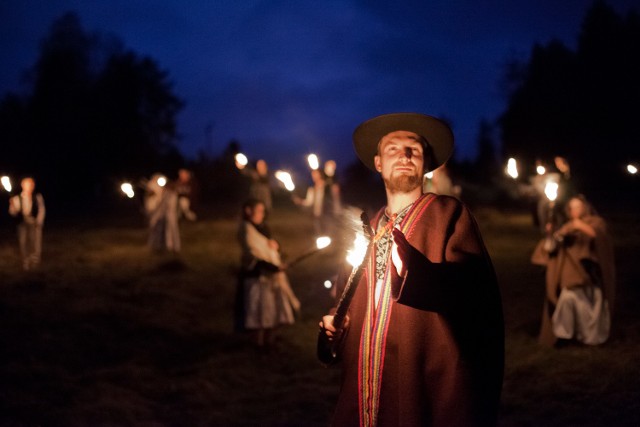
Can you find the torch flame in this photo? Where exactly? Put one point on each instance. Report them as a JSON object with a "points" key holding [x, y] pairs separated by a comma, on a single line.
{"points": [[162, 181], [632, 169], [6, 183], [241, 160], [323, 241], [314, 163], [285, 178], [551, 190], [540, 170], [127, 189], [512, 168], [355, 256]]}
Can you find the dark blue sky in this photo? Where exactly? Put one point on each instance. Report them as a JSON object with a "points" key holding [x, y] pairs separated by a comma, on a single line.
{"points": [[286, 78]]}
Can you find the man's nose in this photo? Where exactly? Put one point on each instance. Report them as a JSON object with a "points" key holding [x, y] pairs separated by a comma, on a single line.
{"points": [[407, 153]]}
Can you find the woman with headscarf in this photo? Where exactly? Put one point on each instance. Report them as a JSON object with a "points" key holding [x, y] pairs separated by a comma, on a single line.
{"points": [[264, 286]]}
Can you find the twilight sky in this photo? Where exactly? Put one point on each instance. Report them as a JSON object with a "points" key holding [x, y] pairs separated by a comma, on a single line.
{"points": [[286, 78]]}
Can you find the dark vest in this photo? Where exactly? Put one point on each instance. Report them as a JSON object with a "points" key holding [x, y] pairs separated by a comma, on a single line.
{"points": [[35, 208]]}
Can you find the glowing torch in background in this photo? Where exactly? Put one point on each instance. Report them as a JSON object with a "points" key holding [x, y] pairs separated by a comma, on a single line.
{"points": [[512, 168], [285, 178], [358, 257], [551, 191], [241, 161], [632, 169], [6, 183], [313, 161], [162, 181], [127, 189], [321, 243]]}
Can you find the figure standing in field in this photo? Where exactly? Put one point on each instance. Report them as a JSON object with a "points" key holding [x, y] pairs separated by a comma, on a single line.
{"points": [[161, 207], [315, 200], [260, 187], [423, 341], [580, 278], [264, 291], [28, 207], [332, 189], [186, 189]]}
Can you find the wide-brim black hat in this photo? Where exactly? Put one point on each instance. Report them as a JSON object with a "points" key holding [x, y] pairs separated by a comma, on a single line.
{"points": [[437, 133]]}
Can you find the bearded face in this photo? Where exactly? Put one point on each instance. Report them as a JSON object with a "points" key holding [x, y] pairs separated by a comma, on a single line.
{"points": [[401, 161], [402, 183]]}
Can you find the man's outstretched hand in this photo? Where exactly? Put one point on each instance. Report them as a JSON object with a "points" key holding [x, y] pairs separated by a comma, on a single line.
{"points": [[401, 251]]}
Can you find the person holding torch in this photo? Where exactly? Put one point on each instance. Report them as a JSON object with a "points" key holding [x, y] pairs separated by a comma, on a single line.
{"points": [[423, 340], [29, 210], [264, 298]]}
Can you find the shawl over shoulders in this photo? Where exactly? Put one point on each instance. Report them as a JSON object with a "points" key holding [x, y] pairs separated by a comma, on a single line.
{"points": [[444, 348]]}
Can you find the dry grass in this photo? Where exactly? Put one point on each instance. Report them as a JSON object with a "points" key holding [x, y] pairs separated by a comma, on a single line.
{"points": [[107, 334]]}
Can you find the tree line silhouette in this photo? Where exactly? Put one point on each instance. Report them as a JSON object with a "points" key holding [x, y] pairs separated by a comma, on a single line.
{"points": [[581, 104], [97, 112]]}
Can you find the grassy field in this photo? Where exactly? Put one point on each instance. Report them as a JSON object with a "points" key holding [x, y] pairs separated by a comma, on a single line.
{"points": [[108, 334]]}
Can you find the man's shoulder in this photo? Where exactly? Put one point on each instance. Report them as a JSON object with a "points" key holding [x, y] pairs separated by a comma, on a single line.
{"points": [[445, 207], [444, 201]]}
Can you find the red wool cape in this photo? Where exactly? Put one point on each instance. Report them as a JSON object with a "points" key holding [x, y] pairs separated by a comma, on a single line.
{"points": [[443, 355]]}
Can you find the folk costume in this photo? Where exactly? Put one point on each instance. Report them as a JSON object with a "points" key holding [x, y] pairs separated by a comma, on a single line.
{"points": [[161, 207], [580, 286], [29, 211], [430, 352], [268, 298]]}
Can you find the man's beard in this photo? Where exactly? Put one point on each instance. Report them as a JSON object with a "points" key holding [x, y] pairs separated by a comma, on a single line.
{"points": [[402, 183]]}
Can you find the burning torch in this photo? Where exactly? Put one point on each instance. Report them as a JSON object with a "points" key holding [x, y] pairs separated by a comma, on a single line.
{"points": [[127, 189], [358, 257], [321, 243], [512, 168], [285, 179], [551, 191], [314, 162], [6, 183], [241, 161]]}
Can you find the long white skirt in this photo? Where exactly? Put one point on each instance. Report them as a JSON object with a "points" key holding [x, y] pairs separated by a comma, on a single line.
{"points": [[267, 306], [582, 315]]}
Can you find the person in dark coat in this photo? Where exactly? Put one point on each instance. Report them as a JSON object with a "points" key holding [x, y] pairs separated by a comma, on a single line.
{"points": [[423, 342]]}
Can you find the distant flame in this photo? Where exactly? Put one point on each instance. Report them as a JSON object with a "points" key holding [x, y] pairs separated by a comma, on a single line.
{"points": [[314, 163], [241, 160], [285, 178], [328, 284], [551, 190], [541, 170], [512, 168], [323, 241], [6, 183], [127, 189], [355, 256], [632, 169], [162, 181]]}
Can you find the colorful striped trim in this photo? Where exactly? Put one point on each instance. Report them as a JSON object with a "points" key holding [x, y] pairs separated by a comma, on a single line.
{"points": [[374, 331]]}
